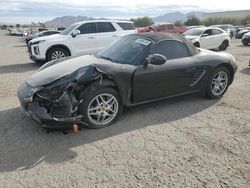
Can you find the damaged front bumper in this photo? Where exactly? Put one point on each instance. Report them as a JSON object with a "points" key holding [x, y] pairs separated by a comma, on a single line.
{"points": [[40, 114]]}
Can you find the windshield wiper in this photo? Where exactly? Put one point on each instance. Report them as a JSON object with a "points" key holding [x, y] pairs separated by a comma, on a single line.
{"points": [[108, 58]]}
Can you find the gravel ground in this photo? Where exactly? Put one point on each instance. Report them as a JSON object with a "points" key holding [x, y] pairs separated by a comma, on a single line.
{"points": [[186, 142]]}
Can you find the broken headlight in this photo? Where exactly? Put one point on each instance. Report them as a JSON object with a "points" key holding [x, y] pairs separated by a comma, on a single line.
{"points": [[53, 93]]}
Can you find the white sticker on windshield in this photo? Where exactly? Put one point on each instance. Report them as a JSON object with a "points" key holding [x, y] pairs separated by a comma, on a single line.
{"points": [[143, 41]]}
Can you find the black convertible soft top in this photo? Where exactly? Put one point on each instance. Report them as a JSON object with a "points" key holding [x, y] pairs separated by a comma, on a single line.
{"points": [[156, 37]]}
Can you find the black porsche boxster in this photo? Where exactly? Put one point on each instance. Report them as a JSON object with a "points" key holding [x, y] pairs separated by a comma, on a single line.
{"points": [[138, 68]]}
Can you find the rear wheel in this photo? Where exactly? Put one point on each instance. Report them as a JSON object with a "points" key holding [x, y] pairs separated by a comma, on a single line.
{"points": [[197, 44], [223, 45], [101, 107], [218, 83], [40, 61], [56, 53]]}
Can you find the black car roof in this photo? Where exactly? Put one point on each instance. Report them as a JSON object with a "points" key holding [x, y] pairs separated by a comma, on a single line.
{"points": [[159, 36], [156, 37]]}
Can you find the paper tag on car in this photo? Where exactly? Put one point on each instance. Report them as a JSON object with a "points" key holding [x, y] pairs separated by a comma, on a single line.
{"points": [[143, 41]]}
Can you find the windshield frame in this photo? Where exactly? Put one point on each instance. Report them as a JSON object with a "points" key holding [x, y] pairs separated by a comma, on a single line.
{"points": [[138, 60], [195, 29], [72, 27]]}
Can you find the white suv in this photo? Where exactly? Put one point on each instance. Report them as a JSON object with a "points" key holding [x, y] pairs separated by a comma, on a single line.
{"points": [[79, 39], [208, 38]]}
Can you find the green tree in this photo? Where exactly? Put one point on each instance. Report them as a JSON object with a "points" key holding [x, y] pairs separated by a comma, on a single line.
{"points": [[142, 22], [178, 23], [217, 20], [193, 20], [245, 20]]}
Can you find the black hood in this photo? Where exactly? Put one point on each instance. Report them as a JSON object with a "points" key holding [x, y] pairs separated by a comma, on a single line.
{"points": [[64, 68]]}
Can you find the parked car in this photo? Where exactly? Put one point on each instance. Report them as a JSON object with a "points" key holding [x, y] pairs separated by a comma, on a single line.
{"points": [[163, 27], [79, 39], [208, 38], [242, 31], [229, 29], [246, 39], [19, 32], [60, 28], [41, 34], [13, 31], [42, 29], [138, 68], [144, 29]]}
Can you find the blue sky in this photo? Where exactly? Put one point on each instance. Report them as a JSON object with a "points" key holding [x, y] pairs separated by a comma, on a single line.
{"points": [[25, 11]]}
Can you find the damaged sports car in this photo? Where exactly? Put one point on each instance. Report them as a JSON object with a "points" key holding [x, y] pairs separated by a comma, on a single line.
{"points": [[93, 89]]}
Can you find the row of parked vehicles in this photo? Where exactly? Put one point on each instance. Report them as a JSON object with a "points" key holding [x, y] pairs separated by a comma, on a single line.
{"points": [[28, 32], [91, 36]]}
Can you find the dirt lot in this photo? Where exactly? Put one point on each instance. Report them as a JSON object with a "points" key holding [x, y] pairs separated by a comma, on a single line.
{"points": [[187, 142]]}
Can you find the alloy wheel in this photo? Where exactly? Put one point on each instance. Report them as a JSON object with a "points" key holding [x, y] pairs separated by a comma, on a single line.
{"points": [[57, 54], [102, 109], [219, 83]]}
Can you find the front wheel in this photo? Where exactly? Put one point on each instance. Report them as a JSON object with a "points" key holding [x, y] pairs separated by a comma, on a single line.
{"points": [[101, 108], [57, 53], [197, 44], [218, 83], [223, 46]]}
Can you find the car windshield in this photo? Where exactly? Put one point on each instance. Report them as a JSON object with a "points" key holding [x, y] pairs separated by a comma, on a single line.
{"points": [[193, 32], [40, 33], [68, 29], [126, 50], [154, 26]]}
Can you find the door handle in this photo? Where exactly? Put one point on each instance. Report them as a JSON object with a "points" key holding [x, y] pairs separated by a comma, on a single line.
{"points": [[91, 37], [114, 35]]}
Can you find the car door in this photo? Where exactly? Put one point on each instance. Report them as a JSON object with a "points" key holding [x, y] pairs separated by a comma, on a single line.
{"points": [[219, 37], [85, 42], [106, 34], [207, 39], [171, 78]]}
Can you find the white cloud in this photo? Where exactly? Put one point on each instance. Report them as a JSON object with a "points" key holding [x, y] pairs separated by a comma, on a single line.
{"points": [[33, 9], [133, 4]]}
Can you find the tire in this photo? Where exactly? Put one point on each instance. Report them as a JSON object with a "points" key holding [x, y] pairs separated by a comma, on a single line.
{"points": [[40, 61], [214, 83], [56, 53], [101, 111], [223, 46], [245, 44], [197, 44]]}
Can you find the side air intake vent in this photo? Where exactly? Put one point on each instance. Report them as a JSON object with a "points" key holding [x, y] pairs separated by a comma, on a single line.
{"points": [[197, 76]]}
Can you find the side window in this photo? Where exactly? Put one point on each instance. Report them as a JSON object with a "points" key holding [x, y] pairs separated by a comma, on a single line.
{"points": [[162, 27], [49, 33], [171, 49], [87, 28], [170, 27], [209, 32], [216, 32], [103, 27]]}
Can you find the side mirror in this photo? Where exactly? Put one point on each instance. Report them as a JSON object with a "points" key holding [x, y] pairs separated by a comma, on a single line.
{"points": [[75, 32], [204, 35], [156, 59]]}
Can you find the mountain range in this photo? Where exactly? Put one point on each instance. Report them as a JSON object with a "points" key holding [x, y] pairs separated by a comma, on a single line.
{"points": [[67, 20], [174, 16], [168, 17]]}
